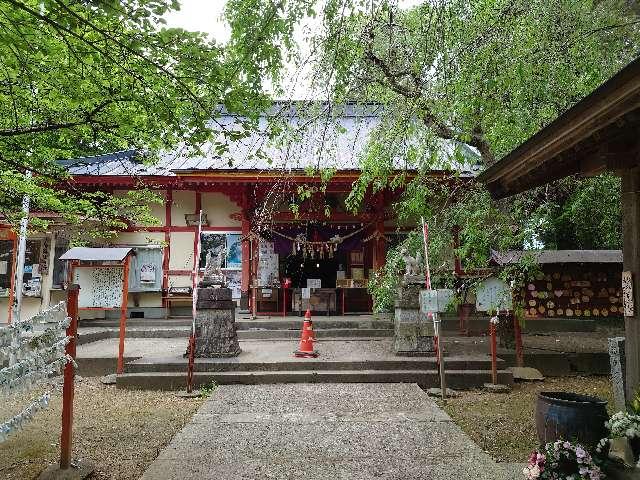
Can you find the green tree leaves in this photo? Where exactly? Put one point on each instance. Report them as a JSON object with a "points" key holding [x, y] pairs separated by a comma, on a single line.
{"points": [[81, 78]]}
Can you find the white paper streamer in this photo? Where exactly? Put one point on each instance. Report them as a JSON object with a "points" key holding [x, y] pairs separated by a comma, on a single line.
{"points": [[19, 421]]}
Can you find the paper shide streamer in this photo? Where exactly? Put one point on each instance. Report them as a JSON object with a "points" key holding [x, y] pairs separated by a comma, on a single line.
{"points": [[32, 358]]}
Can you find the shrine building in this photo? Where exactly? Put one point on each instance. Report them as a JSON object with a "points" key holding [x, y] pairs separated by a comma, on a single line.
{"points": [[276, 261]]}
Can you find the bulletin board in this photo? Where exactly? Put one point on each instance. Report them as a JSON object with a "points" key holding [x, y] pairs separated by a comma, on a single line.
{"points": [[101, 286], [145, 273]]}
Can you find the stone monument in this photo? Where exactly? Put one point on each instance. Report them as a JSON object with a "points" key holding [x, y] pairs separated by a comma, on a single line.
{"points": [[413, 332], [618, 374], [215, 334]]}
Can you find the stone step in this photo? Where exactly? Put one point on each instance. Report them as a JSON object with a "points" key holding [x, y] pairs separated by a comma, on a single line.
{"points": [[318, 323], [174, 364], [456, 379], [137, 322], [243, 324], [261, 334], [88, 336]]}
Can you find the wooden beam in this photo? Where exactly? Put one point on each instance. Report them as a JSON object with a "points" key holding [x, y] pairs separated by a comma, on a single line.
{"points": [[631, 261]]}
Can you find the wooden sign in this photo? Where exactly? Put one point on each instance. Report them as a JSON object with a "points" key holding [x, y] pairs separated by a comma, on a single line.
{"points": [[627, 294]]}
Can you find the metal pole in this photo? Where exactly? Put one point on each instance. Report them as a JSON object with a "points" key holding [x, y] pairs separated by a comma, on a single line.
{"points": [[22, 249], [69, 375], [443, 384], [434, 316], [194, 301]]}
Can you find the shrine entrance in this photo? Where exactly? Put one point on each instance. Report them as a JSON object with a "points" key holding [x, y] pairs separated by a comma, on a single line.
{"points": [[307, 265]]}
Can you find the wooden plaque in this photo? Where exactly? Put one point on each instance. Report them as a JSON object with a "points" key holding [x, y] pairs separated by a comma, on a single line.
{"points": [[627, 294]]}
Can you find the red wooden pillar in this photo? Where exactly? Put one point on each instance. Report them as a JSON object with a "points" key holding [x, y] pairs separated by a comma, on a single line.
{"points": [[379, 247], [69, 374], [246, 261], [245, 205], [494, 352], [166, 259], [123, 314]]}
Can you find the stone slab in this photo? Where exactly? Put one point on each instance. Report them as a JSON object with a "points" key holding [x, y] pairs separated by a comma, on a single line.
{"points": [[214, 294], [354, 431], [526, 374], [617, 361], [216, 304], [497, 388], [79, 470]]}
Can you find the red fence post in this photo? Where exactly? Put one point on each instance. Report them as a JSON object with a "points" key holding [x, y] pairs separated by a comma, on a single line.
{"points": [[494, 359], [69, 374], [517, 333], [123, 315]]}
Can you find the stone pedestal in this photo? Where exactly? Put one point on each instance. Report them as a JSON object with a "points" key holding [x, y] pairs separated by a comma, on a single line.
{"points": [[216, 324], [413, 332]]}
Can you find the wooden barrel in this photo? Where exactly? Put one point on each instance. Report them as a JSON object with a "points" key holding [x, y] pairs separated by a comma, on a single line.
{"points": [[570, 416]]}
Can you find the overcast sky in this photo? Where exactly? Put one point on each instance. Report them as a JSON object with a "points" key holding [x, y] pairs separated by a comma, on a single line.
{"points": [[201, 16], [206, 16]]}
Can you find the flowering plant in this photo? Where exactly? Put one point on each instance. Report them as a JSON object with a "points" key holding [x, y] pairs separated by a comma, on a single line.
{"points": [[561, 460], [623, 424], [625, 427]]}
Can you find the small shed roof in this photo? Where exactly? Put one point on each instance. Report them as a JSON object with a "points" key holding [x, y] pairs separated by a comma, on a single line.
{"points": [[557, 256], [105, 254]]}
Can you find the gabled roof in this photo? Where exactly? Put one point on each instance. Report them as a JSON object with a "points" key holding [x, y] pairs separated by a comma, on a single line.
{"points": [[331, 138], [598, 133]]}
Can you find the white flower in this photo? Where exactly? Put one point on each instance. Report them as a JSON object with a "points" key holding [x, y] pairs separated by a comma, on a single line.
{"points": [[532, 472]]}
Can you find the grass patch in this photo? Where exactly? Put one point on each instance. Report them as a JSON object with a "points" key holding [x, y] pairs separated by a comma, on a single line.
{"points": [[504, 424]]}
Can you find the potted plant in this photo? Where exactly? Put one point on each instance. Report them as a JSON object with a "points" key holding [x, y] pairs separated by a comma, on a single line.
{"points": [[562, 415]]}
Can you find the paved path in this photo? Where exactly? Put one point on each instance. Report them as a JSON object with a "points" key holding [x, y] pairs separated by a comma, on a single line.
{"points": [[356, 349], [318, 432]]}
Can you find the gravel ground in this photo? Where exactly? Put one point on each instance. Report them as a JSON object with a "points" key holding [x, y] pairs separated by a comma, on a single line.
{"points": [[503, 425], [119, 431]]}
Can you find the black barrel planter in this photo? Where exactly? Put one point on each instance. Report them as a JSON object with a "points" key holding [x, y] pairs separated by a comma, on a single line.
{"points": [[570, 416]]}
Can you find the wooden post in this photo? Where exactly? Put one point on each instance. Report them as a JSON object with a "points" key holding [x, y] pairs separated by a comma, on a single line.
{"points": [[69, 374], [123, 314], [631, 261], [494, 353]]}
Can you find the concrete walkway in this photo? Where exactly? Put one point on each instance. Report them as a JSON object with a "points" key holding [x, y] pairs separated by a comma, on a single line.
{"points": [[318, 432]]}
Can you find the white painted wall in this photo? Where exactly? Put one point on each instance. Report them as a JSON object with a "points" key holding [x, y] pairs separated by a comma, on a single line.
{"points": [[219, 209], [184, 201]]}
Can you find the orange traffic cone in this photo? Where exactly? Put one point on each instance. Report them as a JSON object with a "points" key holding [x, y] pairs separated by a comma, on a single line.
{"points": [[307, 337]]}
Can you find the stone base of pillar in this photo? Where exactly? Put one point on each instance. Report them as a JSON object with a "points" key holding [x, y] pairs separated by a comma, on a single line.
{"points": [[244, 301], [413, 335], [216, 335]]}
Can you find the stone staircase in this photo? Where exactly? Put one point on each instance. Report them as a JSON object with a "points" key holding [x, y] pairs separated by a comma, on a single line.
{"points": [[169, 373], [260, 329], [354, 349]]}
